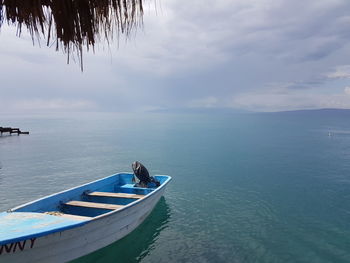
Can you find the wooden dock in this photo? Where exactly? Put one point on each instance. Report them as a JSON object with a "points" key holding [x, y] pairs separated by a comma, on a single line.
{"points": [[11, 131]]}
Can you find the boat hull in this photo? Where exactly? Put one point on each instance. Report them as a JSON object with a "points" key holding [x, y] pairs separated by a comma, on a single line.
{"points": [[76, 242]]}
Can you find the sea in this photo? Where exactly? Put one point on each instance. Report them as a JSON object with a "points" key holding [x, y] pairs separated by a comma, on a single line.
{"points": [[247, 187]]}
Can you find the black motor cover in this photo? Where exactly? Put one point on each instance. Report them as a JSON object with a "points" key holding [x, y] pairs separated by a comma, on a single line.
{"points": [[142, 174]]}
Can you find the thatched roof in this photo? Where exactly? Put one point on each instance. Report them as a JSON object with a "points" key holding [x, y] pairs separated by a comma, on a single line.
{"points": [[72, 24]]}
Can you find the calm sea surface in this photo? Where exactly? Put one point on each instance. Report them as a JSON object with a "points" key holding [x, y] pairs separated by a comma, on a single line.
{"points": [[246, 188]]}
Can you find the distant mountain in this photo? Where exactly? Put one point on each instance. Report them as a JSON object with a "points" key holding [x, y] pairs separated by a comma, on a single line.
{"points": [[315, 111], [238, 111], [200, 110]]}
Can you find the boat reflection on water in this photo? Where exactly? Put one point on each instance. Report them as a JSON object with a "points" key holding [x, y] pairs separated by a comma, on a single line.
{"points": [[135, 246]]}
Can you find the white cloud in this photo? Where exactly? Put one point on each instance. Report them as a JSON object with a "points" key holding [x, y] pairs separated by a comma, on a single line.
{"points": [[347, 90], [340, 72]]}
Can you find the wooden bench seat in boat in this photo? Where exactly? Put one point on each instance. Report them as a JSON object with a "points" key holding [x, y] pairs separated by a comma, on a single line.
{"points": [[94, 205], [69, 216], [117, 195]]}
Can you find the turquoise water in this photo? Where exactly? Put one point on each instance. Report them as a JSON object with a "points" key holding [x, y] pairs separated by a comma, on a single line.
{"points": [[246, 188]]}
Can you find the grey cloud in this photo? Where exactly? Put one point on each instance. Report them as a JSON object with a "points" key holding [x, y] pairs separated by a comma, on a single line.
{"points": [[196, 53]]}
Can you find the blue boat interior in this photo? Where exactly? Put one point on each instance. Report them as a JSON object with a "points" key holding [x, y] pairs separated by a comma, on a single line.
{"points": [[112, 193], [72, 207]]}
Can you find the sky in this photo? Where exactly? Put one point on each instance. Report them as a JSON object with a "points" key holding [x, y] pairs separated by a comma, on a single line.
{"points": [[255, 55]]}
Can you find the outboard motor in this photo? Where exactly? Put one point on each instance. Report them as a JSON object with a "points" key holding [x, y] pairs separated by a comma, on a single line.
{"points": [[142, 174]]}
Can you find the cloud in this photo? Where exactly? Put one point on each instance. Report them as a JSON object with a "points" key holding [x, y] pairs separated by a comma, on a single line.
{"points": [[347, 90], [282, 87], [264, 54], [49, 105], [190, 37], [243, 27], [340, 72]]}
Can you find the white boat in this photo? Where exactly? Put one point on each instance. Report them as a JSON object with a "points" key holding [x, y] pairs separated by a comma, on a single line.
{"points": [[73, 223]]}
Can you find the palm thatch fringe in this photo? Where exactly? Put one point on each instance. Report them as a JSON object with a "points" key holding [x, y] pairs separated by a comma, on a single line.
{"points": [[72, 24]]}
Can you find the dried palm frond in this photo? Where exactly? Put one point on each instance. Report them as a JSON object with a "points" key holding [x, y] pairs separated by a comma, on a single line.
{"points": [[72, 24]]}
